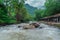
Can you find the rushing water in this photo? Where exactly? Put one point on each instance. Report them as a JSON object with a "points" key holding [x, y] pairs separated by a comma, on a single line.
{"points": [[13, 33]]}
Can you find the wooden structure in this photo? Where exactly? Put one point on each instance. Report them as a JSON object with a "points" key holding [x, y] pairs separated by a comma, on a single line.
{"points": [[53, 18]]}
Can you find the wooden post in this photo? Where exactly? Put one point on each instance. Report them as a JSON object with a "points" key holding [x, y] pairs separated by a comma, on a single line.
{"points": [[57, 19], [48, 19]]}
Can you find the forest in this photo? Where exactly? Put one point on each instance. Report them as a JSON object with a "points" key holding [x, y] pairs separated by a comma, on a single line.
{"points": [[14, 11]]}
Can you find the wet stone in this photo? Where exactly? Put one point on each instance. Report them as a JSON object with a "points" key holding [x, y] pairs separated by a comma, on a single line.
{"points": [[19, 26]]}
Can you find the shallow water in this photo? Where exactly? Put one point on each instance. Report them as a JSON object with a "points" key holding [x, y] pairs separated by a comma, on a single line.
{"points": [[11, 32]]}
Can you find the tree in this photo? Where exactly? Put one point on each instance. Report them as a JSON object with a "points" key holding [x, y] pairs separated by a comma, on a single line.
{"points": [[12, 11], [39, 13], [52, 7], [4, 18], [19, 10]]}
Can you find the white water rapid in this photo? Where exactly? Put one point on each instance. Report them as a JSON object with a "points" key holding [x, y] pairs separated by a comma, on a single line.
{"points": [[11, 32]]}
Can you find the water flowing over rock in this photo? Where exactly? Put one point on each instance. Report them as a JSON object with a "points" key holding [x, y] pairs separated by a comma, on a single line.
{"points": [[12, 32]]}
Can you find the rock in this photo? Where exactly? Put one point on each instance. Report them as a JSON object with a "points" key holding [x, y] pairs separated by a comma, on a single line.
{"points": [[19, 26], [28, 27], [35, 24]]}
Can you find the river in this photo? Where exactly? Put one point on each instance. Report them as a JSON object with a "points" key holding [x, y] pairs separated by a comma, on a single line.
{"points": [[11, 32]]}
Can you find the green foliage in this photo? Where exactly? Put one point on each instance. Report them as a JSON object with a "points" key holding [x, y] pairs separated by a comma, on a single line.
{"points": [[20, 11], [52, 8], [39, 14], [3, 14], [12, 11], [28, 17]]}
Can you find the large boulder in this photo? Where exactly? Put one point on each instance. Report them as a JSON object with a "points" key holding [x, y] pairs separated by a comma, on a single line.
{"points": [[35, 24], [28, 27]]}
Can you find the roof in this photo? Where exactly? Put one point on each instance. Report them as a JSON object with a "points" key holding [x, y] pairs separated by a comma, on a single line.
{"points": [[57, 15]]}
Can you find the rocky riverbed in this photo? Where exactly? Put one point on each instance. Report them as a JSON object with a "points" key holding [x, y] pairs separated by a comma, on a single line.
{"points": [[12, 32]]}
